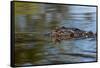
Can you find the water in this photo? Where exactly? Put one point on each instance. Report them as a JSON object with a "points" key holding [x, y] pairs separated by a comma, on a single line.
{"points": [[36, 49]]}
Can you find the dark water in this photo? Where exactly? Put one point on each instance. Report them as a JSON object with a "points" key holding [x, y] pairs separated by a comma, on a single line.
{"points": [[38, 49]]}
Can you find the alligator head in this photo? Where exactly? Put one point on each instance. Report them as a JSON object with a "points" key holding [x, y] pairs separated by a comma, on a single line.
{"points": [[64, 33]]}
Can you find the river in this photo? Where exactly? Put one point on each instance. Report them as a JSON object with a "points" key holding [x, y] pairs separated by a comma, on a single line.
{"points": [[68, 51]]}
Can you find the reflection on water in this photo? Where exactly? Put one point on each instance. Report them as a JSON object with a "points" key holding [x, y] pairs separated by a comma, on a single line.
{"points": [[32, 47]]}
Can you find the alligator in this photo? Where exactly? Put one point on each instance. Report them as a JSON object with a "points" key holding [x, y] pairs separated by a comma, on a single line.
{"points": [[64, 33]]}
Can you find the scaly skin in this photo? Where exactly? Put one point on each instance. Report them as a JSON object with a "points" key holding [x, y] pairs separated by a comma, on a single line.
{"points": [[63, 33]]}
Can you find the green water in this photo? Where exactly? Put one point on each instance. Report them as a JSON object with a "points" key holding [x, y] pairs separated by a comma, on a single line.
{"points": [[33, 47]]}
